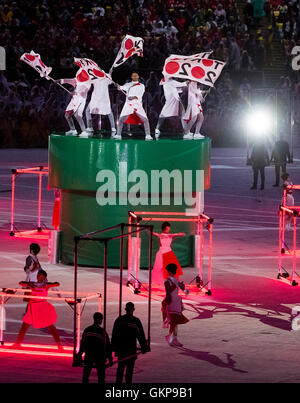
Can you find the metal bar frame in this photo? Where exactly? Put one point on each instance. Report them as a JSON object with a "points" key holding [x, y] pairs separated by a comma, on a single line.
{"points": [[105, 241]]}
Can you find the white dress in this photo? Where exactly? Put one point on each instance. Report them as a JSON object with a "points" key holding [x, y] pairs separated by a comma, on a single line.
{"points": [[133, 89], [100, 100], [78, 99], [195, 99], [159, 275], [171, 106]]}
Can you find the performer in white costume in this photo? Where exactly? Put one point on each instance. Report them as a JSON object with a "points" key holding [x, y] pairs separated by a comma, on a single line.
{"points": [[173, 105], [193, 113], [76, 106], [100, 103], [133, 111]]}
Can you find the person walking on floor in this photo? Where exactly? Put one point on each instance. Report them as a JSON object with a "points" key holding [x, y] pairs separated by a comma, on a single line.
{"points": [[127, 330], [96, 345]]}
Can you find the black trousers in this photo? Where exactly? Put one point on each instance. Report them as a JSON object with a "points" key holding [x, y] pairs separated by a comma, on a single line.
{"points": [[87, 369], [262, 176], [277, 171], [129, 364]]}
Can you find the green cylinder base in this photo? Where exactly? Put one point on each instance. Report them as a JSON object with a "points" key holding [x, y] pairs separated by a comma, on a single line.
{"points": [[74, 164]]}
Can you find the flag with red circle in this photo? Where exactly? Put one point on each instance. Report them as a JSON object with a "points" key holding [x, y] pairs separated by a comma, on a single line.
{"points": [[130, 46], [34, 60], [195, 68], [88, 71]]}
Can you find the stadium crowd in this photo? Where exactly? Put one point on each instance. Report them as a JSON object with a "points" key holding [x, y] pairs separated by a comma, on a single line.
{"points": [[32, 107]]}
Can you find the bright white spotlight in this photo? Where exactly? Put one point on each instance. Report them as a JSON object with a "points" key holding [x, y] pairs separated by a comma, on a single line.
{"points": [[259, 122]]}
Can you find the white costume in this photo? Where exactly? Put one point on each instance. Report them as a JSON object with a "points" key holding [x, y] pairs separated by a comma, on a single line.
{"points": [[76, 105], [100, 102], [133, 89], [193, 111], [133, 108], [172, 106]]}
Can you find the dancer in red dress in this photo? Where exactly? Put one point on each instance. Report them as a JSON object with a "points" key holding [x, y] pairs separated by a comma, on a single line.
{"points": [[165, 255], [39, 313]]}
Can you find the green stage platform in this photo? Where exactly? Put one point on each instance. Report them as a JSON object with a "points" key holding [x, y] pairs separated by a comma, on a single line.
{"points": [[74, 164]]}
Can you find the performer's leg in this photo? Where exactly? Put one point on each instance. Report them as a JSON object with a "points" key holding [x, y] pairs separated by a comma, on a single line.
{"points": [[200, 119], [112, 122], [89, 121], [120, 372], [22, 332], [69, 119], [188, 127], [120, 125], [262, 178], [146, 126], [55, 334], [86, 373], [277, 174], [129, 370], [255, 177], [101, 373]]}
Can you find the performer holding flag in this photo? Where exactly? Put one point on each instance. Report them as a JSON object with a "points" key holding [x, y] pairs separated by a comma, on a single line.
{"points": [[173, 105], [100, 101], [193, 113], [196, 69], [133, 111]]}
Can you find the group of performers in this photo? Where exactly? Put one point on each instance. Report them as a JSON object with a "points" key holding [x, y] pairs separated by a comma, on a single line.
{"points": [[133, 111]]}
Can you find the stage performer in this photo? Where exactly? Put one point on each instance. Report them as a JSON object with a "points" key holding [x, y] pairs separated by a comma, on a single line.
{"points": [[76, 107], [100, 103], [133, 111], [173, 106], [32, 265], [126, 331], [289, 201], [193, 113], [165, 255], [172, 306], [96, 345], [40, 313]]}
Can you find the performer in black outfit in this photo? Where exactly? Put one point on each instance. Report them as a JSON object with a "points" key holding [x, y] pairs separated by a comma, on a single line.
{"points": [[280, 155], [259, 159], [97, 348], [126, 331]]}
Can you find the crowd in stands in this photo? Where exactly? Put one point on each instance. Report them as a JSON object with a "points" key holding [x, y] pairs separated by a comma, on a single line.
{"points": [[59, 30]]}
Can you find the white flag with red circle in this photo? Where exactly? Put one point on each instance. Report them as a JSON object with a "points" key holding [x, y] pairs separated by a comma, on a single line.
{"points": [[130, 45], [34, 60], [89, 70], [195, 68]]}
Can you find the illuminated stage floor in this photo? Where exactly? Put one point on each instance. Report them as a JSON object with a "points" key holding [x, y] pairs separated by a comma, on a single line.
{"points": [[242, 333]]}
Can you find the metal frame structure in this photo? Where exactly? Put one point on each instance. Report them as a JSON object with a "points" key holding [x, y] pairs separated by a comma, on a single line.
{"points": [[96, 237], [7, 293], [39, 171], [200, 219], [295, 212]]}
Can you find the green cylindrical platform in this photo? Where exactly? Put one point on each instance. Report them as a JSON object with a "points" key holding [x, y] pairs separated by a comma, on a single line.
{"points": [[74, 164]]}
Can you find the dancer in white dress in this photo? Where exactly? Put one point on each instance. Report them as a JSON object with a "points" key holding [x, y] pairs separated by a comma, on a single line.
{"points": [[100, 102], [173, 105], [133, 111], [76, 106], [193, 113], [165, 255]]}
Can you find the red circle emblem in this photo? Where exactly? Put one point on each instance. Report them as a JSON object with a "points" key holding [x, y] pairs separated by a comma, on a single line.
{"points": [[98, 73], [172, 67], [197, 72], [128, 44], [83, 76], [207, 62]]}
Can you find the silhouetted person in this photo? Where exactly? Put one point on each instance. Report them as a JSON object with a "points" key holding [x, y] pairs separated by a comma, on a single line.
{"points": [[259, 159], [126, 331], [97, 348], [280, 156]]}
